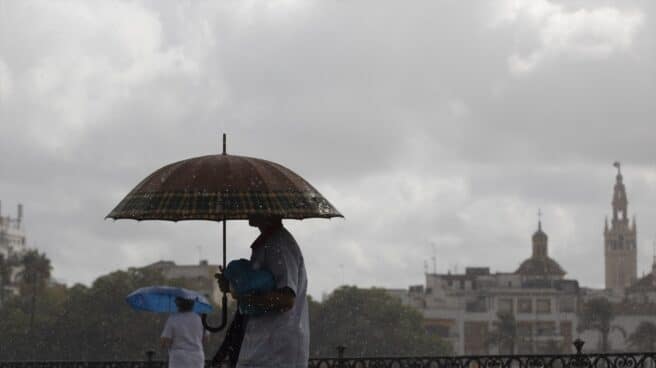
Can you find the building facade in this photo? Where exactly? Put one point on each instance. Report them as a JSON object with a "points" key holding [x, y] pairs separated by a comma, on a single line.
{"points": [[12, 236], [620, 242], [464, 309], [12, 245]]}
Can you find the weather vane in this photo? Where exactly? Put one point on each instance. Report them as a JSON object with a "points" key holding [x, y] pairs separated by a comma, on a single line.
{"points": [[617, 165]]}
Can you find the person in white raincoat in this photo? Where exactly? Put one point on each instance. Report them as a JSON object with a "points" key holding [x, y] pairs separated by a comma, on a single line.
{"points": [[279, 337], [183, 337]]}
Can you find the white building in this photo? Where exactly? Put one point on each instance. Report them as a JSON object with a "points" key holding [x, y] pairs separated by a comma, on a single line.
{"points": [[12, 236], [463, 308], [200, 277], [12, 243]]}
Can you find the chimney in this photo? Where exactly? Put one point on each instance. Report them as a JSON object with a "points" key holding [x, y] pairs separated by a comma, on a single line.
{"points": [[19, 218]]}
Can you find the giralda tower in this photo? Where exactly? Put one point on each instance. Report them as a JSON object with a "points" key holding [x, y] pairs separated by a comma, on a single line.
{"points": [[620, 241]]}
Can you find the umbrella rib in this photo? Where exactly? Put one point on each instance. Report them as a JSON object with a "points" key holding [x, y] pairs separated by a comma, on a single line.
{"points": [[300, 185], [256, 168]]}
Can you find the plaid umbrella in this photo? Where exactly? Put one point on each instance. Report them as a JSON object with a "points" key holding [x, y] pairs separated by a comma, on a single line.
{"points": [[222, 187]]}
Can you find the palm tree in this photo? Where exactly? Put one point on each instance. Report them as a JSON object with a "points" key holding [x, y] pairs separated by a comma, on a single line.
{"points": [[505, 333], [597, 314], [644, 337], [35, 274]]}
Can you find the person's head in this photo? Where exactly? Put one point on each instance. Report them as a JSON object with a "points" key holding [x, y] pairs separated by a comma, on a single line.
{"points": [[184, 305], [264, 222]]}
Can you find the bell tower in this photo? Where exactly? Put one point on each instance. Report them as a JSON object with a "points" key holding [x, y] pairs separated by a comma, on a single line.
{"points": [[620, 251]]}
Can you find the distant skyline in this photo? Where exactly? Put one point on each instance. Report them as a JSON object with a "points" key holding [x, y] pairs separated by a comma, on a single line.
{"points": [[445, 123]]}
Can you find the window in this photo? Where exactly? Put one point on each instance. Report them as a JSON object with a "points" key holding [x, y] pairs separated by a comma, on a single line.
{"points": [[505, 305], [545, 328], [525, 306], [476, 306], [524, 329], [567, 304], [543, 306]]}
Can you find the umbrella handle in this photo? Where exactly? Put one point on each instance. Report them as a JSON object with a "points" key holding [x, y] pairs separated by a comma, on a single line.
{"points": [[224, 317]]}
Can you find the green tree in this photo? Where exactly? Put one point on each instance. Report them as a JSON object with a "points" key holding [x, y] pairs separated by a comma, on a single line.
{"points": [[34, 277], [644, 337], [505, 334], [86, 323], [369, 322], [597, 314], [18, 342], [5, 275], [102, 325]]}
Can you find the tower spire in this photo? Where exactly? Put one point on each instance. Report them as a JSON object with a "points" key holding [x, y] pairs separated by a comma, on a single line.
{"points": [[540, 240], [653, 262], [620, 202]]}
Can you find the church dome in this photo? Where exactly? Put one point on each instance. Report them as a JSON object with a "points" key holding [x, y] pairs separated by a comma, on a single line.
{"points": [[540, 264], [543, 266]]}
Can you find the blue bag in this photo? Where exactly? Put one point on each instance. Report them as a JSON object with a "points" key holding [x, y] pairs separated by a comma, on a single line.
{"points": [[245, 280]]}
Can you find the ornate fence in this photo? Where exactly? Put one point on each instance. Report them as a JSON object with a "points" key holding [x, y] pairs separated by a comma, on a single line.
{"points": [[577, 360]]}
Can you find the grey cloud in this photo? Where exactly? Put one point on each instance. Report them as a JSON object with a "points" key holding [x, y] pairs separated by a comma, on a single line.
{"points": [[407, 117]]}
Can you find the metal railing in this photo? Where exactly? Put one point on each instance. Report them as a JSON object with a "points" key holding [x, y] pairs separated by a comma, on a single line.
{"points": [[577, 360]]}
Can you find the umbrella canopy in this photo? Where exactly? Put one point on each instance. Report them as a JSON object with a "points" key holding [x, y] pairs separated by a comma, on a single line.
{"points": [[223, 187], [161, 299]]}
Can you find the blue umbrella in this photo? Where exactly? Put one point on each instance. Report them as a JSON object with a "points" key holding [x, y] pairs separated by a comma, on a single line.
{"points": [[161, 299]]}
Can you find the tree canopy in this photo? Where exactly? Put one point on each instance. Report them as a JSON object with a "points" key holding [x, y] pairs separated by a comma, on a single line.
{"points": [[369, 322], [597, 314], [505, 334], [644, 337], [85, 323], [94, 322]]}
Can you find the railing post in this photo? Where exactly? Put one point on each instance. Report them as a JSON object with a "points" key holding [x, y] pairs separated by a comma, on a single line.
{"points": [[340, 356], [578, 345], [149, 358]]}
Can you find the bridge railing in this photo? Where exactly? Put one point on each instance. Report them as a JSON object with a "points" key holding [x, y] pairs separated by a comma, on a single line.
{"points": [[576, 360]]}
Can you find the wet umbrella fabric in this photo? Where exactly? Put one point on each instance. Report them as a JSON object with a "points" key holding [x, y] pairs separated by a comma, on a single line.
{"points": [[161, 299], [223, 187]]}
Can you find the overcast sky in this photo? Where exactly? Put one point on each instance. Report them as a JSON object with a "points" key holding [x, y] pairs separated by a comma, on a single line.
{"points": [[445, 123]]}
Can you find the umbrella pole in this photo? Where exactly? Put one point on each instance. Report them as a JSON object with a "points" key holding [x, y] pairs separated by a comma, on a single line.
{"points": [[224, 299]]}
